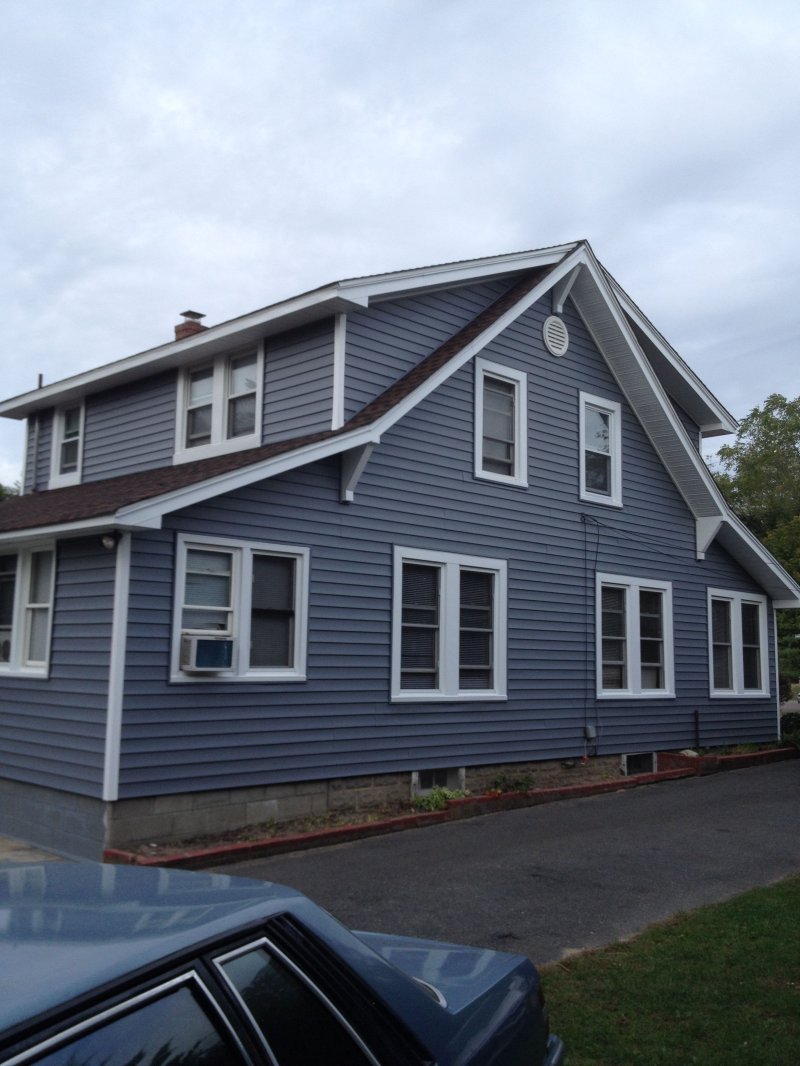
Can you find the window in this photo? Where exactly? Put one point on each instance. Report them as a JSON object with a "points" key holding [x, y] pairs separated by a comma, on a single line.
{"points": [[67, 447], [737, 644], [297, 1023], [449, 626], [500, 424], [600, 450], [220, 406], [26, 599], [634, 623], [251, 594]]}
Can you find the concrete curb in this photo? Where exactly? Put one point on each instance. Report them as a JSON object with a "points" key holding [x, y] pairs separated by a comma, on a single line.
{"points": [[468, 807]]}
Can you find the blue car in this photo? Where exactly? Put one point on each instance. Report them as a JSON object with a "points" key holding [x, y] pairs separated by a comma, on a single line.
{"points": [[124, 966]]}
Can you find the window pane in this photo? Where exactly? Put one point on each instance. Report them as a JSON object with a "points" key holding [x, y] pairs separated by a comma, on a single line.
{"points": [[597, 473], [208, 586], [651, 644], [38, 626], [597, 430], [198, 427], [476, 637], [201, 386], [173, 1029], [499, 404], [721, 621], [751, 668], [69, 457], [722, 651], [419, 638], [242, 375], [241, 416], [750, 626], [272, 612], [8, 572], [41, 571], [72, 423], [722, 667], [298, 1027], [614, 646], [751, 646]]}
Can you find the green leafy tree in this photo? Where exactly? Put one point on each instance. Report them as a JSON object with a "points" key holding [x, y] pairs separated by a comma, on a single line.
{"points": [[760, 476], [9, 490]]}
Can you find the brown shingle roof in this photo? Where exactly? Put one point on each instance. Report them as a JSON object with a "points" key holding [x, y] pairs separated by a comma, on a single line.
{"points": [[102, 499]]}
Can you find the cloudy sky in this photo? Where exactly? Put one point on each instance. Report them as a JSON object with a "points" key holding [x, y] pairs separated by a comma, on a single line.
{"points": [[165, 154]]}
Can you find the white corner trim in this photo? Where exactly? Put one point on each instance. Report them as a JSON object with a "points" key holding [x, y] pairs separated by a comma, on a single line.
{"points": [[116, 671], [339, 351]]}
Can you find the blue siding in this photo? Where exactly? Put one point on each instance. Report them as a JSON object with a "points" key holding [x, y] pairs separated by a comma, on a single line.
{"points": [[38, 445], [130, 429], [298, 382], [391, 338], [52, 731], [418, 490]]}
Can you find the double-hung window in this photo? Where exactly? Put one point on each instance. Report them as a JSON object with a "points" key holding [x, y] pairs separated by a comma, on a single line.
{"points": [[737, 644], [634, 646], [501, 452], [67, 452], [26, 607], [600, 450], [251, 595], [220, 406], [449, 626]]}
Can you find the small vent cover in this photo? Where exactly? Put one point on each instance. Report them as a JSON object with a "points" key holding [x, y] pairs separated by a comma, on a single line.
{"points": [[556, 338]]}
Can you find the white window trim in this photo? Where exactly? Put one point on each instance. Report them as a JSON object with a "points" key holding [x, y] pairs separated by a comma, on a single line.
{"points": [[20, 625], [57, 479], [243, 551], [633, 586], [451, 566], [736, 599], [484, 369], [219, 444], [614, 410]]}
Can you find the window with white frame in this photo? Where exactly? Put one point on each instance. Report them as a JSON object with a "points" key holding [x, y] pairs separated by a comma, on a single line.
{"points": [[220, 406], [600, 450], [449, 626], [254, 595], [501, 452], [26, 607], [67, 451], [737, 643], [634, 647]]}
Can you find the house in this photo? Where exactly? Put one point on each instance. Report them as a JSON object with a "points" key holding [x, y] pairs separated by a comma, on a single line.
{"points": [[398, 529]]}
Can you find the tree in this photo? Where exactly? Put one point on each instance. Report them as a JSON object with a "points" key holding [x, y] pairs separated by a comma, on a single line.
{"points": [[760, 472], [759, 475], [9, 490]]}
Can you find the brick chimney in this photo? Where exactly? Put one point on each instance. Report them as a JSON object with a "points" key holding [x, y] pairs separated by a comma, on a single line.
{"points": [[191, 324]]}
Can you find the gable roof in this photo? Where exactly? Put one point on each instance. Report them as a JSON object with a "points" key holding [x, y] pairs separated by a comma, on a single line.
{"points": [[647, 370]]}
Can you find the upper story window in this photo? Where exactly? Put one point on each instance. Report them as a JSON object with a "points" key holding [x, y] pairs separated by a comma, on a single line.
{"points": [[67, 446], [449, 626], [501, 452], [634, 647], [600, 450], [737, 644], [26, 602], [249, 597], [220, 406]]}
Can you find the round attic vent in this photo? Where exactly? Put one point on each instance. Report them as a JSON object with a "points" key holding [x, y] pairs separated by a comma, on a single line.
{"points": [[556, 338]]}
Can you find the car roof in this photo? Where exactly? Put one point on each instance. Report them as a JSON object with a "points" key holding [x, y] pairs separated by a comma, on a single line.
{"points": [[66, 928]]}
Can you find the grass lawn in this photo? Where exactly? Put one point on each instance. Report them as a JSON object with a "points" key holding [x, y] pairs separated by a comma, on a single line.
{"points": [[718, 985]]}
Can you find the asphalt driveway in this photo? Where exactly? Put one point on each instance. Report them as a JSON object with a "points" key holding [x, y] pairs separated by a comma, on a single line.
{"points": [[549, 880]]}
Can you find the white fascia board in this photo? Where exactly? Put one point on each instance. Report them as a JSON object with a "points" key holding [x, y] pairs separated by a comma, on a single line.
{"points": [[723, 421], [448, 274], [226, 336], [149, 513], [32, 535]]}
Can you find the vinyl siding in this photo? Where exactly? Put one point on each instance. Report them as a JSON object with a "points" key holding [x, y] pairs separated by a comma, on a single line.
{"points": [[388, 340], [52, 731], [38, 450], [418, 490], [298, 382], [130, 429]]}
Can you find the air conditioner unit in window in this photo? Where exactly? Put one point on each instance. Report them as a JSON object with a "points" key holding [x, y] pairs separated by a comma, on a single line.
{"points": [[206, 655]]}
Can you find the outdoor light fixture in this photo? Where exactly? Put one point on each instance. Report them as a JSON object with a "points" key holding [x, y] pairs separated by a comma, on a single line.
{"points": [[109, 541]]}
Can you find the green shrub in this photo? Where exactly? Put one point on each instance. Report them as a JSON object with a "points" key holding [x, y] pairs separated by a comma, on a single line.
{"points": [[437, 798], [512, 783], [790, 723]]}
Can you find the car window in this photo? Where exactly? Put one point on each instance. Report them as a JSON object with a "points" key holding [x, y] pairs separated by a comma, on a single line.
{"points": [[298, 1027], [174, 1030]]}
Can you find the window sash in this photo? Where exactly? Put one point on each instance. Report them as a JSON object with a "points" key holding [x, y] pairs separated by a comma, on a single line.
{"points": [[738, 664], [26, 608], [600, 450], [500, 423], [220, 404], [449, 626], [251, 593], [634, 626]]}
